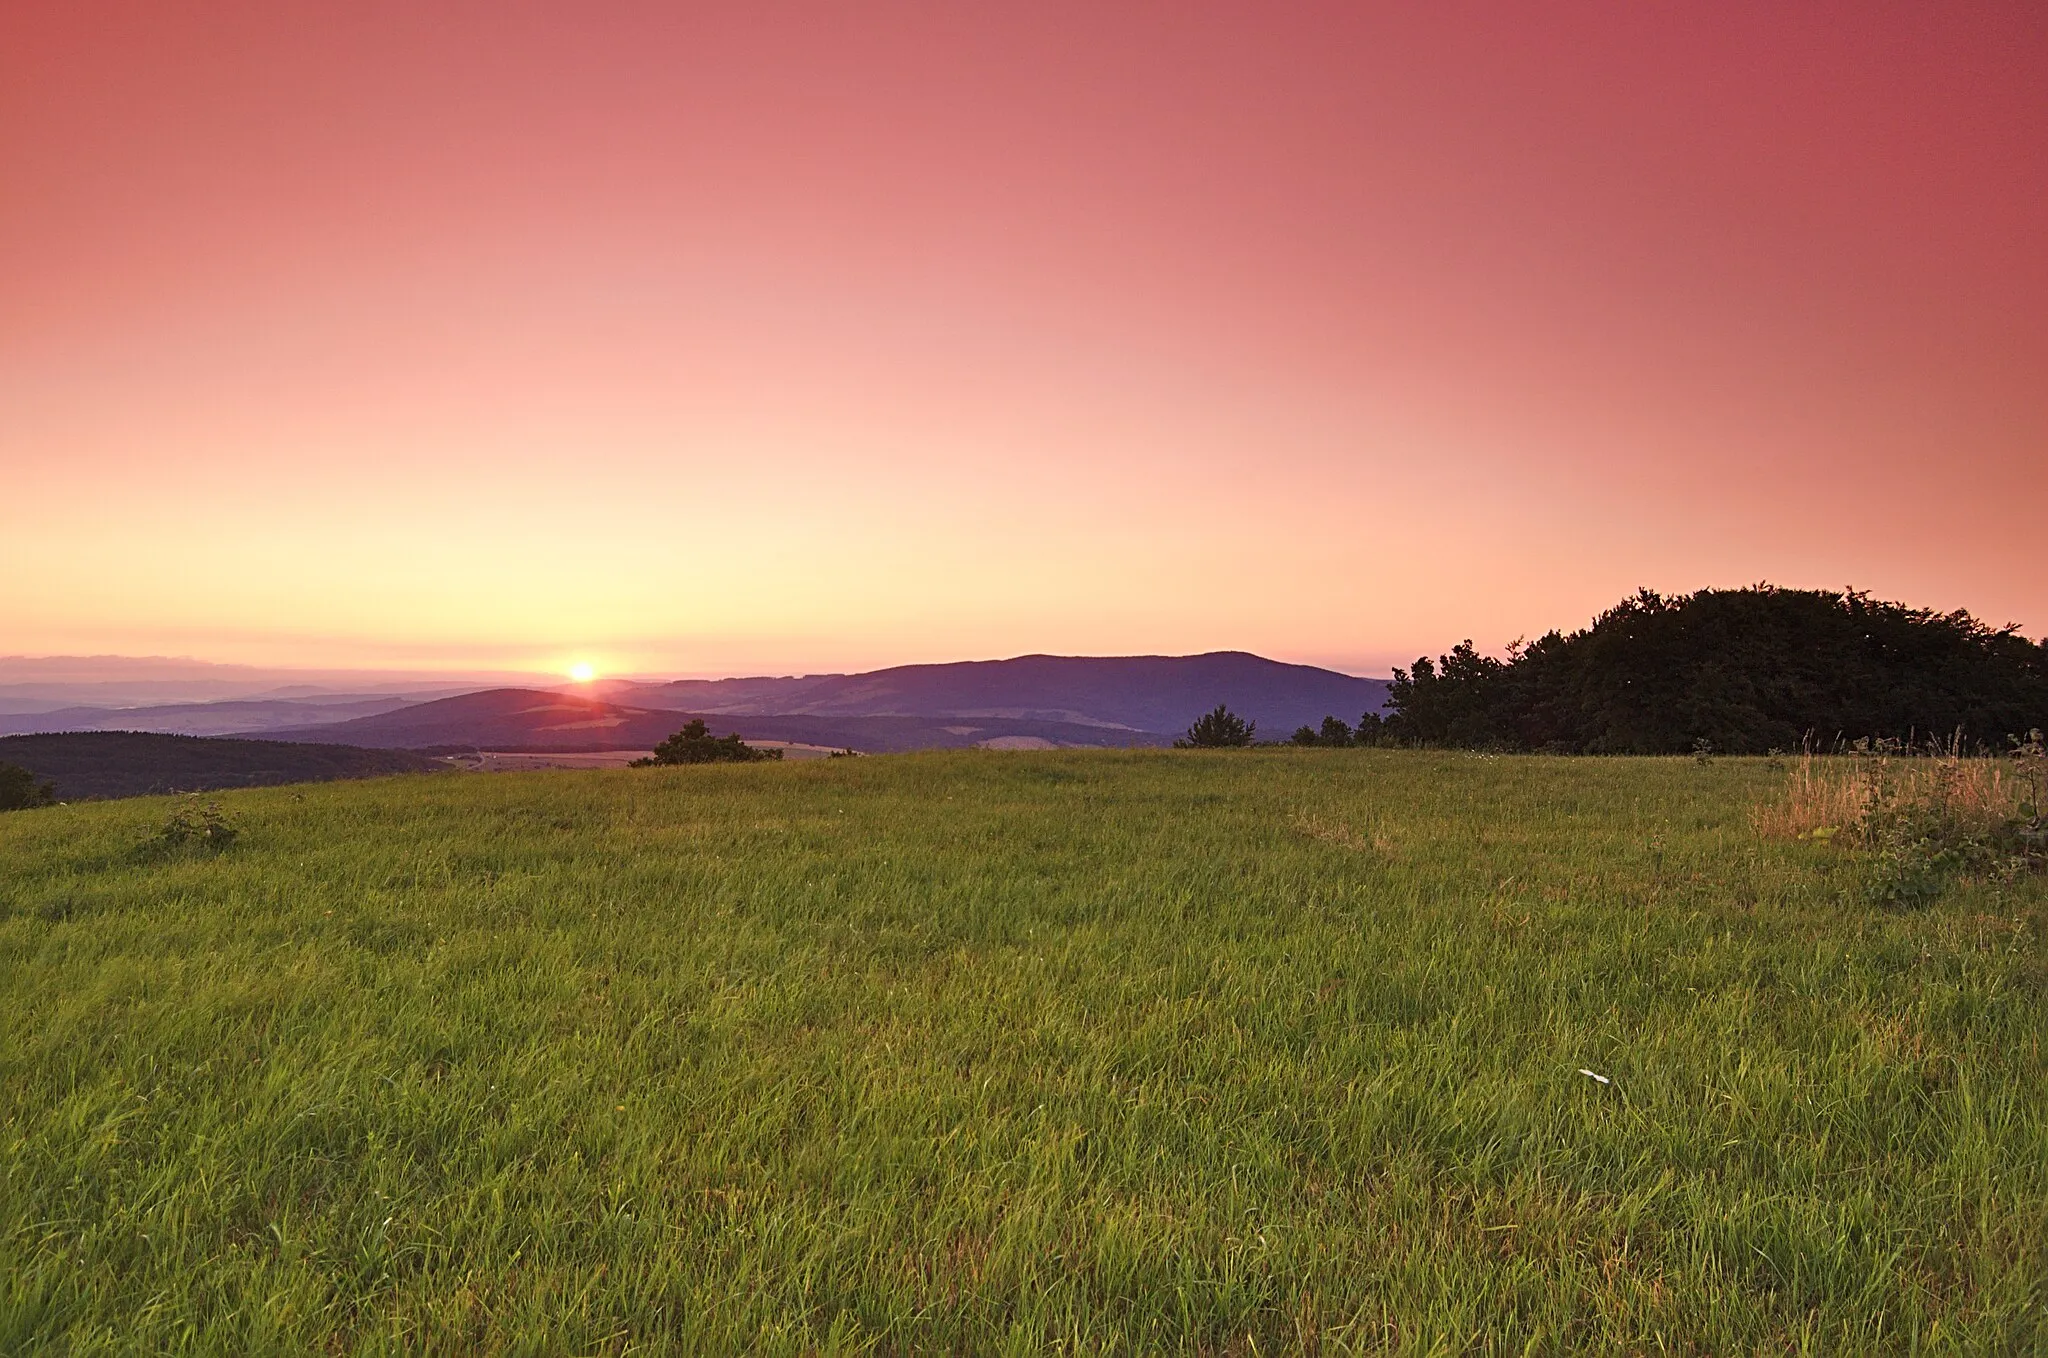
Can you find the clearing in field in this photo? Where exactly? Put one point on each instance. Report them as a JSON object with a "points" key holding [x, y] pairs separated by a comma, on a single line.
{"points": [[1323, 1050]]}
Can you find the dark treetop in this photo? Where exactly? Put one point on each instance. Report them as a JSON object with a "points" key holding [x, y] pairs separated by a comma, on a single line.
{"points": [[1745, 670]]}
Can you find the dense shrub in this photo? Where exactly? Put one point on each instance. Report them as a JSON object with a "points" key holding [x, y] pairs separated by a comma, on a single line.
{"points": [[1742, 671], [694, 744], [20, 790]]}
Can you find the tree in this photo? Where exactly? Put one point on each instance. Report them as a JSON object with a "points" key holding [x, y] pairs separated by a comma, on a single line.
{"points": [[1745, 670], [1372, 729], [694, 744], [19, 789], [1335, 734], [1457, 701], [1219, 730]]}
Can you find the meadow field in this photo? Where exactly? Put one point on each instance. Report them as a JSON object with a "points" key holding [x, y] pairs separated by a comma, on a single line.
{"points": [[1233, 1053]]}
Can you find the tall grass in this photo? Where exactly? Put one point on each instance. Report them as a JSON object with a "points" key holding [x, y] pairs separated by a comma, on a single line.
{"points": [[1925, 816], [1262, 1051]]}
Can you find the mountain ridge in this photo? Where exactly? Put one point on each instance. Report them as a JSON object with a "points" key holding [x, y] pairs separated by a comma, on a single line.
{"points": [[542, 720], [1060, 700], [1150, 693], [223, 717]]}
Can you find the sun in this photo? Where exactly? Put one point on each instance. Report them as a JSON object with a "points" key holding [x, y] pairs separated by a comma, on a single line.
{"points": [[583, 671]]}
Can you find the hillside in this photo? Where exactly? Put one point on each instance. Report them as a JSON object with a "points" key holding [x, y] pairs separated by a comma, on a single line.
{"points": [[1159, 694], [1089, 1052], [534, 719], [243, 716], [133, 764], [1050, 700]]}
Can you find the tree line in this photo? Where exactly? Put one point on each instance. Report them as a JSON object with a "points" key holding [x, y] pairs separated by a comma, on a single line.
{"points": [[1739, 671]]}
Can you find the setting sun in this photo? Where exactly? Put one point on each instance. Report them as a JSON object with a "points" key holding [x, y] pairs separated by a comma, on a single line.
{"points": [[583, 671]]}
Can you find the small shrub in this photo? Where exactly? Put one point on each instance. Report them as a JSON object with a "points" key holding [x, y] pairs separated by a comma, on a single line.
{"points": [[1218, 730], [207, 826]]}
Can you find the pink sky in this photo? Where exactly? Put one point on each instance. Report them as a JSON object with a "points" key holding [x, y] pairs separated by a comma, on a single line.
{"points": [[777, 337]]}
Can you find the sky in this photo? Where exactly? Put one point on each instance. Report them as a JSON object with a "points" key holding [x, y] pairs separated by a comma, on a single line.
{"points": [[708, 339]]}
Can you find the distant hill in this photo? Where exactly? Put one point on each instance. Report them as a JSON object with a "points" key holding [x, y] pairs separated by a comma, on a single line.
{"points": [[1151, 693], [500, 718], [46, 683], [133, 764], [531, 719], [235, 717]]}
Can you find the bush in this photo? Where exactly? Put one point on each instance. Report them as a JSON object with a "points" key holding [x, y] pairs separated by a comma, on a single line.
{"points": [[207, 826], [19, 789], [1219, 730], [694, 744], [1335, 734]]}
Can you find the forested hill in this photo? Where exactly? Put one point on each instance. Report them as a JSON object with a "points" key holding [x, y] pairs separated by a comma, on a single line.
{"points": [[1745, 670], [86, 764]]}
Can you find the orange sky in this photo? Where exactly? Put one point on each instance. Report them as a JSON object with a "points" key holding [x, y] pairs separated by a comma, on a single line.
{"points": [[779, 337]]}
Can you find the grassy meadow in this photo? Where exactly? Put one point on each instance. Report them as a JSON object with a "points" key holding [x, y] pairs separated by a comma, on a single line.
{"points": [[1235, 1053]]}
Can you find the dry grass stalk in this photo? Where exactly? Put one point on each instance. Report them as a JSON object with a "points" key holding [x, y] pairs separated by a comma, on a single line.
{"points": [[1826, 795]]}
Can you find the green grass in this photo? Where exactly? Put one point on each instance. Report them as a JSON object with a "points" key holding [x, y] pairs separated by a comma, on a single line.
{"points": [[1012, 1053]]}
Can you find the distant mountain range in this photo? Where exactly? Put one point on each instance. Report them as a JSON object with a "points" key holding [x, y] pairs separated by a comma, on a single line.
{"points": [[1031, 700], [1156, 693], [232, 717], [534, 719], [1056, 700], [37, 684]]}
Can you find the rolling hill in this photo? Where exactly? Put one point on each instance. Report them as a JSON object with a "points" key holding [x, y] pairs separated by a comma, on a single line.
{"points": [[533, 719], [1153, 693], [245, 716], [1037, 699]]}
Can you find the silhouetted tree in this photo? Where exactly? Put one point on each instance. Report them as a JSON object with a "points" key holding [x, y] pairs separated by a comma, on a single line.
{"points": [[20, 790], [1221, 729], [1451, 702], [1334, 734], [1745, 670], [694, 744]]}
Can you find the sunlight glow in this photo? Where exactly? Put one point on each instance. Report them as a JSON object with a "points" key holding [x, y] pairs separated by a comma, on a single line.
{"points": [[583, 671]]}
